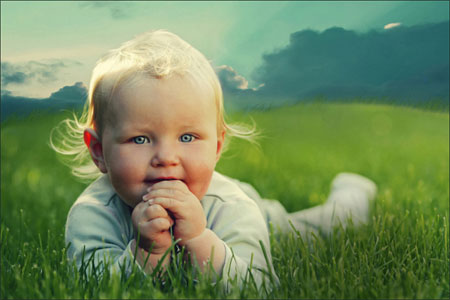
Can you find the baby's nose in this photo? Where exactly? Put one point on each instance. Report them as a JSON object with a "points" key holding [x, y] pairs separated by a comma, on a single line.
{"points": [[165, 155]]}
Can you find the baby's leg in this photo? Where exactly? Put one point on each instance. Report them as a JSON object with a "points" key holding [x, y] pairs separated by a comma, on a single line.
{"points": [[272, 210], [350, 197]]}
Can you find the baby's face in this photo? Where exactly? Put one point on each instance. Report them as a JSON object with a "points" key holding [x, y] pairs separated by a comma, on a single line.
{"points": [[161, 129]]}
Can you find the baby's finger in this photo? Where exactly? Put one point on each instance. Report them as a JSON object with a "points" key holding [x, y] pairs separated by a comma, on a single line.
{"points": [[139, 210], [171, 221], [173, 205], [154, 211], [155, 226], [164, 193], [169, 184]]}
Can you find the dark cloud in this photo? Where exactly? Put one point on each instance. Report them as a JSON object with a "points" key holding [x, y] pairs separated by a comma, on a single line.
{"points": [[5, 92], [68, 97], [72, 92], [41, 71], [116, 9], [11, 75], [410, 63]]}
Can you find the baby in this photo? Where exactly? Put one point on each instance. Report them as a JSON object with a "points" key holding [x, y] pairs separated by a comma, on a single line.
{"points": [[155, 129]]}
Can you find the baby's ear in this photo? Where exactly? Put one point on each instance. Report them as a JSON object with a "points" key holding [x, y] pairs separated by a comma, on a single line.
{"points": [[220, 141], [94, 145]]}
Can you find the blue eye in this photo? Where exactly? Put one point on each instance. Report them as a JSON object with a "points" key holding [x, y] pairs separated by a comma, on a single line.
{"points": [[140, 139], [187, 138]]}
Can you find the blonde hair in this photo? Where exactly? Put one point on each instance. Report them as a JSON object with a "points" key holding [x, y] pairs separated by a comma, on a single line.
{"points": [[156, 54]]}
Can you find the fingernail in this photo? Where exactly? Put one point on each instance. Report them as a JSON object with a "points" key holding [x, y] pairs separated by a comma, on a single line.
{"points": [[149, 189], [145, 198]]}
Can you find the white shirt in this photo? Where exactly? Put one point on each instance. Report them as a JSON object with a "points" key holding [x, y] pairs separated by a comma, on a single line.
{"points": [[99, 220]]}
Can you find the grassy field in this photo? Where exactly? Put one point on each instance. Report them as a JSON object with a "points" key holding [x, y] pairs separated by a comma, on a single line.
{"points": [[402, 253]]}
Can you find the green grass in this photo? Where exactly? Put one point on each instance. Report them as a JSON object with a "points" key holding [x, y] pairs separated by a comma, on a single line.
{"points": [[402, 253]]}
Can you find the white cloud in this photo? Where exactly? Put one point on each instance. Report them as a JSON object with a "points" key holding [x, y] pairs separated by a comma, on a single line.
{"points": [[37, 79], [230, 79], [391, 25]]}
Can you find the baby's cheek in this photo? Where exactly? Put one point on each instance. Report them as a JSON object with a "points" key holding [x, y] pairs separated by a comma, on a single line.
{"points": [[128, 178], [128, 164], [201, 180]]}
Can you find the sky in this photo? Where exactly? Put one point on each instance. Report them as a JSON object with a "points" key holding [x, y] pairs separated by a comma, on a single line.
{"points": [[48, 45]]}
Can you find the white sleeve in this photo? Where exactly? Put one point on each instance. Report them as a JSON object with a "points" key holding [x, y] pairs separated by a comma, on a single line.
{"points": [[93, 228], [243, 230]]}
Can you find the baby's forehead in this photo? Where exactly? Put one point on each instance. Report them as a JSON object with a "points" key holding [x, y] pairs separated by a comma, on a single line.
{"points": [[176, 83], [162, 92], [170, 109]]}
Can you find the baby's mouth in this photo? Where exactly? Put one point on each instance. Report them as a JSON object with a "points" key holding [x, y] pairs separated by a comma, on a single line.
{"points": [[156, 180]]}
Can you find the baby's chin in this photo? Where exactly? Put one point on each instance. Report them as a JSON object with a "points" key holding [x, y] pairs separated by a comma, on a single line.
{"points": [[131, 201], [131, 196], [131, 204]]}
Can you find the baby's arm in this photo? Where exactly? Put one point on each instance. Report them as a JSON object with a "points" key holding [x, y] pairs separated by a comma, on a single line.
{"points": [[235, 231], [240, 225], [94, 228], [107, 230], [190, 222]]}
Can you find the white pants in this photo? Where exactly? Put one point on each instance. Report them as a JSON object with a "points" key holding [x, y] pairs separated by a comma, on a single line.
{"points": [[349, 198]]}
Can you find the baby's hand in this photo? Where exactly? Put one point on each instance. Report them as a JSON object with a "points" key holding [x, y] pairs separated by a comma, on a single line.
{"points": [[153, 223], [174, 195]]}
